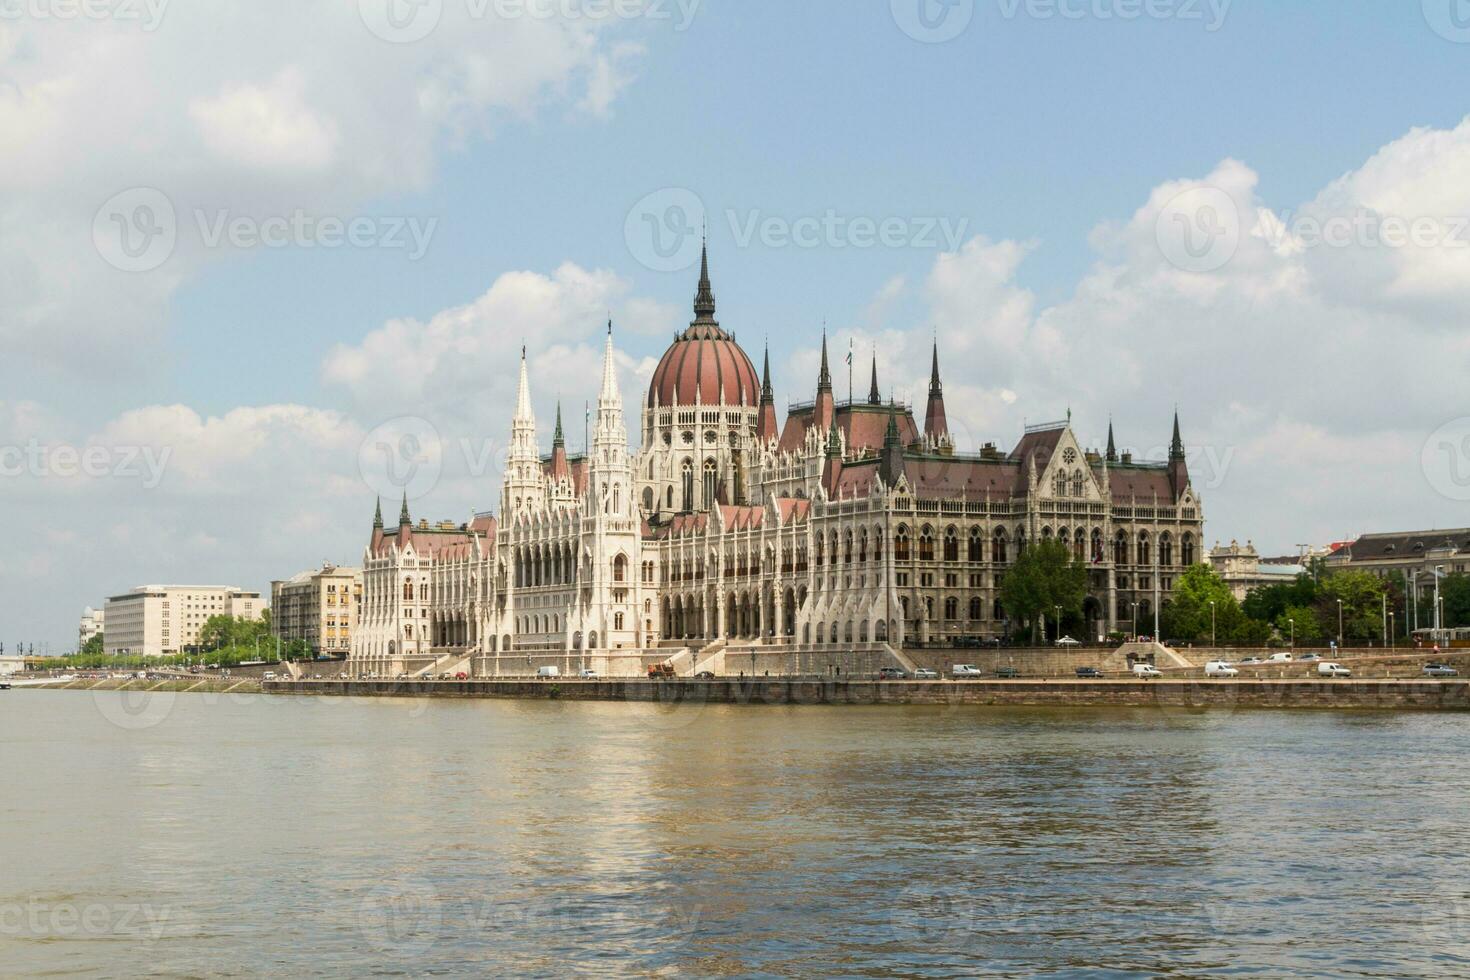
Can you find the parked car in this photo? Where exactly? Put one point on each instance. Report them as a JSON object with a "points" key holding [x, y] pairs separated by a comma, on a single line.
{"points": [[1220, 668], [1440, 670], [1251, 661], [925, 674], [1146, 671], [587, 674], [706, 675], [1007, 673], [461, 676], [1329, 668], [1309, 657], [544, 673], [966, 670], [269, 675], [1067, 641], [1091, 673], [1279, 658], [891, 674]]}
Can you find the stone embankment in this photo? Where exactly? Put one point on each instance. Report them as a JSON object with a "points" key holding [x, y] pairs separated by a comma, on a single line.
{"points": [[1187, 693]]}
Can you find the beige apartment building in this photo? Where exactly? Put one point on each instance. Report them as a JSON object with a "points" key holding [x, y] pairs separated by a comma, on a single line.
{"points": [[161, 620], [92, 623], [319, 607]]}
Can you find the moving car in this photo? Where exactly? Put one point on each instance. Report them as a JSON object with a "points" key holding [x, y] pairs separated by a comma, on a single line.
{"points": [[966, 670], [891, 674], [1007, 673], [269, 675], [1329, 668], [1067, 641], [1440, 670], [1279, 658], [705, 675], [1146, 671], [461, 676], [1089, 672], [1306, 657], [587, 673], [1220, 668], [1248, 661], [925, 674], [544, 672]]}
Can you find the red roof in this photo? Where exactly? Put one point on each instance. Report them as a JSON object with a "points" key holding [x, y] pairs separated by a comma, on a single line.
{"points": [[863, 426], [705, 364]]}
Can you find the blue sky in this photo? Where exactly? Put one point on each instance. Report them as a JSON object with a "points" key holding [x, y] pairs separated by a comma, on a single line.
{"points": [[1051, 141]]}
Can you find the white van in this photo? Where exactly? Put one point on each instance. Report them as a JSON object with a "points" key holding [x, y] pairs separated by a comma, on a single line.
{"points": [[1327, 668], [1279, 658], [545, 672], [1221, 668], [269, 675], [1146, 671]]}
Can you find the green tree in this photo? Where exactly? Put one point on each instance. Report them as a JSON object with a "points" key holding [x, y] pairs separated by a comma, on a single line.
{"points": [[1361, 595], [1044, 576], [1187, 617], [93, 647], [1267, 602], [1454, 589], [1300, 622]]}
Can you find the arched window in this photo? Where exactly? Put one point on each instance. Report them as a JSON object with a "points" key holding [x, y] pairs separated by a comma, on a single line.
{"points": [[878, 545], [1097, 545], [1166, 549], [847, 548], [1186, 550], [1143, 548], [951, 608], [648, 499], [976, 609], [1120, 549], [977, 547], [1077, 484], [951, 545], [408, 591], [998, 550], [834, 632], [863, 545], [821, 633], [926, 543], [901, 544], [710, 480], [620, 568], [688, 474], [1059, 484]]}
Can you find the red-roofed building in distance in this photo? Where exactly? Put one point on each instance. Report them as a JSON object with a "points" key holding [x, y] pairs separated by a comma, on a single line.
{"points": [[845, 528]]}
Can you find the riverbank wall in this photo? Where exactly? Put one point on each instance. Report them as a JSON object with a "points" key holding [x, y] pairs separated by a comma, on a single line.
{"points": [[1452, 695]]}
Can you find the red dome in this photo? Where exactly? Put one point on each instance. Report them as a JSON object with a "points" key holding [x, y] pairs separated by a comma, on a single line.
{"points": [[703, 364]]}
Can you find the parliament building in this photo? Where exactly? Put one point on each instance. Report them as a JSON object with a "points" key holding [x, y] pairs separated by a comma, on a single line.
{"points": [[733, 534]]}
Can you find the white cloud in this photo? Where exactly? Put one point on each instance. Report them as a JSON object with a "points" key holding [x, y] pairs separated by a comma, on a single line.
{"points": [[258, 107]]}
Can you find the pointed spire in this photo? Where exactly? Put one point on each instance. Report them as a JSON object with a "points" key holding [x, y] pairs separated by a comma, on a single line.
{"points": [[704, 299], [1112, 453], [523, 390], [558, 441], [403, 518], [378, 515], [935, 387], [768, 394], [1176, 445], [874, 398], [936, 422], [609, 372], [891, 438], [824, 378]]}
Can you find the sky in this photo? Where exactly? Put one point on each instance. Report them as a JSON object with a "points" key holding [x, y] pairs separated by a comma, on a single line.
{"points": [[264, 261]]}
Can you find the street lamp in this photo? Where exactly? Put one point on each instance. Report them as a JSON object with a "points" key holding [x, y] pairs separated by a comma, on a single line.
{"points": [[1135, 621], [1339, 624], [1390, 631], [1212, 622], [1292, 624], [1059, 621], [1438, 603]]}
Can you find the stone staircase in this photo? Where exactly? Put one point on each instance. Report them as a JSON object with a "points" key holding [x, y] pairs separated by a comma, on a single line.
{"points": [[449, 663], [711, 658]]}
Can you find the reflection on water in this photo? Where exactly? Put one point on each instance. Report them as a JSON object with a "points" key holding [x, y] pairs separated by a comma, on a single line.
{"points": [[290, 836]]}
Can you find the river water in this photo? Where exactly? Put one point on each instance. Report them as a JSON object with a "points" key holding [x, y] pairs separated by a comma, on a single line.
{"points": [[197, 835]]}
